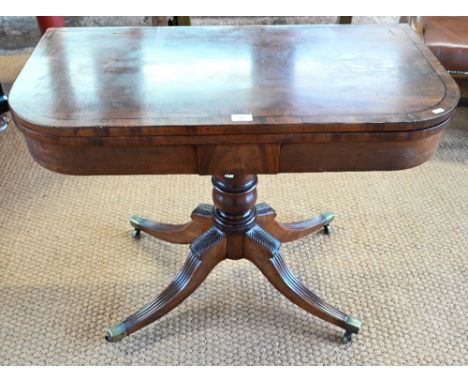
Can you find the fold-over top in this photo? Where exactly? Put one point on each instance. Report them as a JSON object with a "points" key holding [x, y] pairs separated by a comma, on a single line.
{"points": [[147, 81]]}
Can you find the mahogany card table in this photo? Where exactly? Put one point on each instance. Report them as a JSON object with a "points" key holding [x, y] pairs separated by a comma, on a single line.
{"points": [[232, 102]]}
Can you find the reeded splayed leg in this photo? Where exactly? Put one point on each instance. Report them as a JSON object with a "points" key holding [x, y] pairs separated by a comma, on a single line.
{"points": [[202, 220], [286, 232], [234, 228], [262, 249], [205, 253]]}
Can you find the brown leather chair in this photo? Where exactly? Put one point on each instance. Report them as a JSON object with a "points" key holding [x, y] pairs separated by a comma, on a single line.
{"points": [[447, 37]]}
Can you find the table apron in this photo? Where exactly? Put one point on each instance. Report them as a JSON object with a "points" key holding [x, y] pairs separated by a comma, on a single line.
{"points": [[255, 154]]}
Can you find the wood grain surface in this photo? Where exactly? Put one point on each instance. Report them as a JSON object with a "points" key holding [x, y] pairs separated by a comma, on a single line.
{"points": [[162, 100]]}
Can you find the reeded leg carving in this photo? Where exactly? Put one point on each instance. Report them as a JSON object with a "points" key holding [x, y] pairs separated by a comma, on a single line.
{"points": [[202, 220], [206, 251], [233, 228], [262, 249], [286, 232]]}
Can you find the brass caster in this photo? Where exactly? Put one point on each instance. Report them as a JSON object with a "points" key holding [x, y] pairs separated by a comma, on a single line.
{"points": [[328, 217], [135, 221], [347, 337], [352, 326], [116, 333]]}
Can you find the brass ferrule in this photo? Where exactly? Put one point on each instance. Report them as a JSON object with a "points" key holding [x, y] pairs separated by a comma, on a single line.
{"points": [[136, 220], [116, 333], [352, 325], [328, 217]]}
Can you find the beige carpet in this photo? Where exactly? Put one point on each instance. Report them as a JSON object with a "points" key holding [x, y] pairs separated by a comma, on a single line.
{"points": [[397, 259]]}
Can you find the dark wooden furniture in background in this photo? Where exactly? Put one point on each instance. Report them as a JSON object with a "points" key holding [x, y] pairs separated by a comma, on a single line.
{"points": [[232, 102], [345, 19]]}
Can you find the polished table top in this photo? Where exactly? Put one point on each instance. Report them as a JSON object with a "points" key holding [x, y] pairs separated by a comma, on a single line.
{"points": [[268, 86], [232, 102]]}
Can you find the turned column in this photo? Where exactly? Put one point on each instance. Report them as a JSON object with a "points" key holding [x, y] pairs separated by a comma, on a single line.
{"points": [[234, 198]]}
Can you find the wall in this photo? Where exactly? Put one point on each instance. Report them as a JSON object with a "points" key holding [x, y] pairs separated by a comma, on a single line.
{"points": [[17, 33]]}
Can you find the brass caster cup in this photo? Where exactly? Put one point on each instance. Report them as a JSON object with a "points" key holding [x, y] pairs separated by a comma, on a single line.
{"points": [[352, 326], [328, 217], [116, 333]]}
